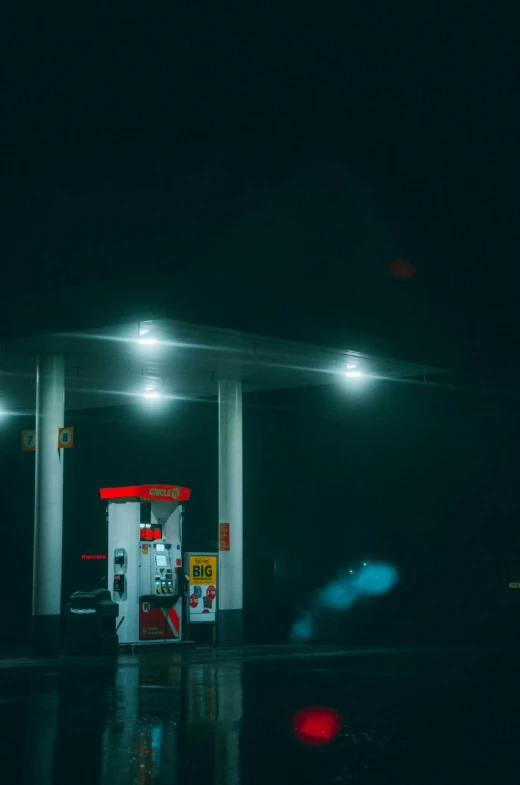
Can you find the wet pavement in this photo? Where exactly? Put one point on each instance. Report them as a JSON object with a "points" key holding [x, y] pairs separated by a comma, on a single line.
{"points": [[420, 715]]}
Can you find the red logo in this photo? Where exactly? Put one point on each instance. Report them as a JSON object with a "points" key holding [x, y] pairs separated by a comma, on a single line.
{"points": [[194, 600], [157, 623], [211, 592]]}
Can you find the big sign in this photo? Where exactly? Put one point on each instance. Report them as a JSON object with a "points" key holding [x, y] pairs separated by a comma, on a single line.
{"points": [[201, 571]]}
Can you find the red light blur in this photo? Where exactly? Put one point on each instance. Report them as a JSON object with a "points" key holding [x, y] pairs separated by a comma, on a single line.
{"points": [[316, 726], [402, 268], [157, 534]]}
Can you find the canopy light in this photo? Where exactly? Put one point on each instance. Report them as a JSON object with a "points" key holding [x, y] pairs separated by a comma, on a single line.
{"points": [[147, 341], [353, 374], [143, 328]]}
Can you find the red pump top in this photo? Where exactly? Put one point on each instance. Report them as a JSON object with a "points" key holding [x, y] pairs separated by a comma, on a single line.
{"points": [[147, 493]]}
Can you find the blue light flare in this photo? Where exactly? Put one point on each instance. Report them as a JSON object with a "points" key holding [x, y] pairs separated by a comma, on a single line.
{"points": [[372, 580], [303, 629], [376, 579]]}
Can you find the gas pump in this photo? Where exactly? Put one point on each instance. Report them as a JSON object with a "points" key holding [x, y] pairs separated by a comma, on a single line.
{"points": [[144, 560]]}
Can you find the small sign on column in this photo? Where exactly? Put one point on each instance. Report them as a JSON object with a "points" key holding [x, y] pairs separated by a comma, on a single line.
{"points": [[224, 543], [28, 441], [66, 437]]}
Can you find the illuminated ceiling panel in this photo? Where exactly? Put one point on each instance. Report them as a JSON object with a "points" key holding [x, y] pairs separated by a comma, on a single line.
{"points": [[118, 365]]}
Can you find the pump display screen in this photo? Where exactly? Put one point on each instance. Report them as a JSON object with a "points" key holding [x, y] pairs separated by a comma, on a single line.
{"points": [[150, 534], [161, 560]]}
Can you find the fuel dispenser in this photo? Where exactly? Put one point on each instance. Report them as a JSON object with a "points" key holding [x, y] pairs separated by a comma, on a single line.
{"points": [[144, 560]]}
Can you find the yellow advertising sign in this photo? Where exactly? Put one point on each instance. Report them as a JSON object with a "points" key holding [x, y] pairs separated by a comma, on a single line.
{"points": [[202, 569]]}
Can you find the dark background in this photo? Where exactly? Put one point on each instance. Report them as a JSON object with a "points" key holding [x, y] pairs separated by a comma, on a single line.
{"points": [[260, 169]]}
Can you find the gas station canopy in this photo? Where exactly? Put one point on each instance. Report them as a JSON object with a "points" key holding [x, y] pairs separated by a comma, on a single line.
{"points": [[166, 360], [171, 359]]}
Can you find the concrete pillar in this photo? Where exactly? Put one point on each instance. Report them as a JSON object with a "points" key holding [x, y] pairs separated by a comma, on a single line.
{"points": [[230, 510], [48, 507]]}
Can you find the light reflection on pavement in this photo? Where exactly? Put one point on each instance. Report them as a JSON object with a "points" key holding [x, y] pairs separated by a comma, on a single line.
{"points": [[224, 716]]}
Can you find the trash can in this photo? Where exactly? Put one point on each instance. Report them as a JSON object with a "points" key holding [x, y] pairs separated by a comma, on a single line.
{"points": [[91, 623]]}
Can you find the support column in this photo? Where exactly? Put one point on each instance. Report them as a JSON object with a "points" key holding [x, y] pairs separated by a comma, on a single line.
{"points": [[230, 572], [48, 507]]}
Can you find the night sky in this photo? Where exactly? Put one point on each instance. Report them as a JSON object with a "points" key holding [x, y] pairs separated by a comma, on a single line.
{"points": [[270, 165]]}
